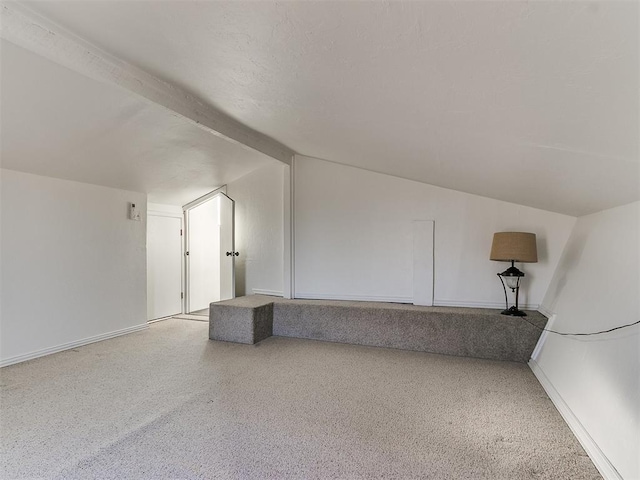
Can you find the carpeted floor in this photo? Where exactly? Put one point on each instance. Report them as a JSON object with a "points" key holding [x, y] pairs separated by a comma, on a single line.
{"points": [[168, 403]]}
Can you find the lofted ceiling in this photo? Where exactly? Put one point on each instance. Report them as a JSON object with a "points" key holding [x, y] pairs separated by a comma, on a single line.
{"points": [[58, 123], [534, 103]]}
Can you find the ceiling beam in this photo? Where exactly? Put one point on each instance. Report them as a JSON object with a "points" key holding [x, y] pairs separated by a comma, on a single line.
{"points": [[35, 33]]}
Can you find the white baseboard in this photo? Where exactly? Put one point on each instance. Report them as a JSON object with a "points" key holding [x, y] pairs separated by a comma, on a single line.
{"points": [[186, 316], [356, 298], [473, 304], [271, 293], [543, 336], [545, 311], [66, 346], [161, 319], [436, 302], [602, 463]]}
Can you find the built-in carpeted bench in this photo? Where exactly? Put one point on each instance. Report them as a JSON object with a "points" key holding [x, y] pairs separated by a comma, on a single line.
{"points": [[242, 320], [472, 332]]}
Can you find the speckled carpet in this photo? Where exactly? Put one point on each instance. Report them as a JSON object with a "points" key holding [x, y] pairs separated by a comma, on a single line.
{"points": [[167, 403]]}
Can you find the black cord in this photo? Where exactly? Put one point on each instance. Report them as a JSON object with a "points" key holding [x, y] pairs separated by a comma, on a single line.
{"points": [[584, 334]]}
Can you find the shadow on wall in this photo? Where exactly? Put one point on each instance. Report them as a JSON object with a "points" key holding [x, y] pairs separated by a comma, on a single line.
{"points": [[568, 261], [543, 251], [241, 278], [543, 257]]}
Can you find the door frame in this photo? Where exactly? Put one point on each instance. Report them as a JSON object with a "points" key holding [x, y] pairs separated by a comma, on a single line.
{"points": [[204, 198], [233, 242], [162, 213], [185, 240]]}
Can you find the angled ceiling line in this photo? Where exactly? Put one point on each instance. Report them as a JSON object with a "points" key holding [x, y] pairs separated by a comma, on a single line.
{"points": [[35, 33]]}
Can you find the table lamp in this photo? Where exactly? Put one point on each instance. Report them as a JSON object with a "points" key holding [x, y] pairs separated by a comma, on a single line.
{"points": [[513, 247]]}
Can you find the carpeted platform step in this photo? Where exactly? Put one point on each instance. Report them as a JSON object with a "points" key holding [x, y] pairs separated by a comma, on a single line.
{"points": [[471, 332]]}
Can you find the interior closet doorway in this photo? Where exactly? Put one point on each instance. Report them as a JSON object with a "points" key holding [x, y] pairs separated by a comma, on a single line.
{"points": [[209, 252]]}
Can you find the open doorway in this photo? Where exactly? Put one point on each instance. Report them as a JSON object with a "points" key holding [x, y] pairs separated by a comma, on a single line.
{"points": [[209, 252], [190, 257]]}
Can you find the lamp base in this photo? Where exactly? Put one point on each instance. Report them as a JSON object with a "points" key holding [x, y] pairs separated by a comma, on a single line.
{"points": [[514, 312]]}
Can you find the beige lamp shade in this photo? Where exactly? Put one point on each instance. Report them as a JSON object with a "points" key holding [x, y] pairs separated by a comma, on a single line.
{"points": [[516, 246]]}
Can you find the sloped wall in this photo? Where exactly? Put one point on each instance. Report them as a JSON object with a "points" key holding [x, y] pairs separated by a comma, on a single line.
{"points": [[73, 264], [597, 287], [353, 238]]}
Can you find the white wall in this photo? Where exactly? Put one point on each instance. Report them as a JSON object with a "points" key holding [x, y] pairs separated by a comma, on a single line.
{"points": [[597, 287], [259, 230], [354, 238], [163, 209], [73, 264]]}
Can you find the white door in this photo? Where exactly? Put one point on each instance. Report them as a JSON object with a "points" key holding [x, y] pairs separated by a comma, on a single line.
{"points": [[227, 252], [210, 254], [203, 255], [164, 266]]}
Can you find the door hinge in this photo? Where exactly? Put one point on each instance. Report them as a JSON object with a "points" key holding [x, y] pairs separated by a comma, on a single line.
{"points": [[181, 295], [180, 232]]}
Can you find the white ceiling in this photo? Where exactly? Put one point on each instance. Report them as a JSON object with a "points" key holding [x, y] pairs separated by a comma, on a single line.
{"points": [[58, 123], [530, 102]]}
